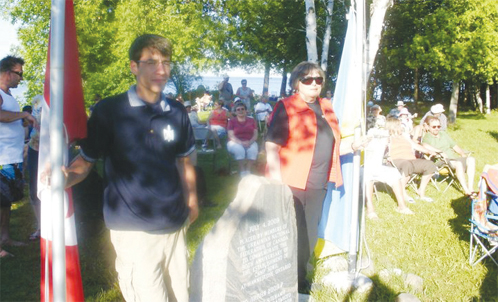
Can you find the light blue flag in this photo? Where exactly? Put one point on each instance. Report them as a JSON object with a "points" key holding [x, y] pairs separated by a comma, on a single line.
{"points": [[335, 225]]}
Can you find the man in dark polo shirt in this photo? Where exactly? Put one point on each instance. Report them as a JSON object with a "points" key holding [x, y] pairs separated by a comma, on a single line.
{"points": [[145, 140]]}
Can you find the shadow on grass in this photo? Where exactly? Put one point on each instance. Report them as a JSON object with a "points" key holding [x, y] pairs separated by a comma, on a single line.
{"points": [[494, 134], [471, 116], [379, 292], [460, 224]]}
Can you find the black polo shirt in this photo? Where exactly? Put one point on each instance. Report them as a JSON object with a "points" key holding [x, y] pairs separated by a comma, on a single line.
{"points": [[140, 144]]}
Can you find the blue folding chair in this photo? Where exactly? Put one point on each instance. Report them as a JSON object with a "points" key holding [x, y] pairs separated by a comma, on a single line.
{"points": [[483, 232]]}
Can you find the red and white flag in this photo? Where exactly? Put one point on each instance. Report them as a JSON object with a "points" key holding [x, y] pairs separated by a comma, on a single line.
{"points": [[75, 128]]}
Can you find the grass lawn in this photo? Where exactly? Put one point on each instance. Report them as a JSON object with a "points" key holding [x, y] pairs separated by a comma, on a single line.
{"points": [[433, 244]]}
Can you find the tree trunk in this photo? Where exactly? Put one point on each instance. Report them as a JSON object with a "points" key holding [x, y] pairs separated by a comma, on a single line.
{"points": [[454, 102], [416, 87], [311, 31], [479, 99], [378, 9], [283, 87], [438, 96], [326, 35], [266, 80], [488, 100]]}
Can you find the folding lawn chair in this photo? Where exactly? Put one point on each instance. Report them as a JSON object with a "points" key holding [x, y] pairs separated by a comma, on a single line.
{"points": [[444, 174], [201, 139], [483, 233]]}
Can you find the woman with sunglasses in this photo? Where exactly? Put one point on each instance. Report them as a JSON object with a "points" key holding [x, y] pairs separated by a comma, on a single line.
{"points": [[242, 135], [303, 152]]}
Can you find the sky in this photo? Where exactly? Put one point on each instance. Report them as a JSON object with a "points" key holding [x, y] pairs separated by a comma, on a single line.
{"points": [[9, 37]]}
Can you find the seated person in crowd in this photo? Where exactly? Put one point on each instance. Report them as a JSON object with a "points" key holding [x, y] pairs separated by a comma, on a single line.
{"points": [[375, 119], [402, 155], [441, 142], [192, 115], [218, 122], [263, 109], [375, 171], [406, 119], [242, 135], [437, 111], [395, 111], [196, 123], [203, 101], [420, 130]]}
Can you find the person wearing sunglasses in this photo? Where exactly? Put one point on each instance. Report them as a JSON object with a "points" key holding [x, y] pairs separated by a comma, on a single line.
{"points": [[302, 150], [459, 160], [242, 136], [12, 122]]}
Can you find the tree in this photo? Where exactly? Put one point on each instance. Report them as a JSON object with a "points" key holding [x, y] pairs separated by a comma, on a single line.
{"points": [[433, 45], [105, 31], [256, 42]]}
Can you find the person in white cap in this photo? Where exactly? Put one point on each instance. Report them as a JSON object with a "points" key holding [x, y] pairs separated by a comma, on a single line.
{"points": [[395, 111], [437, 111], [406, 120]]}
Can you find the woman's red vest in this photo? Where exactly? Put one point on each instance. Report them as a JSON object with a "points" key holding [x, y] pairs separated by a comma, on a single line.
{"points": [[296, 156]]}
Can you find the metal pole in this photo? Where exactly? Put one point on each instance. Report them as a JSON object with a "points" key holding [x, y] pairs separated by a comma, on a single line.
{"points": [[353, 237], [57, 147], [359, 53]]}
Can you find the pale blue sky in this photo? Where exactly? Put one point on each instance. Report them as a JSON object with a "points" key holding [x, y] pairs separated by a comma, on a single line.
{"points": [[9, 37]]}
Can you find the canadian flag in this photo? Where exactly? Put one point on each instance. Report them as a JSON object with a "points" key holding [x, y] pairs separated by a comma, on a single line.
{"points": [[75, 128]]}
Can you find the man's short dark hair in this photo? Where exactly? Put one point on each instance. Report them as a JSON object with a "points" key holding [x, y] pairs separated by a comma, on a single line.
{"points": [[157, 42], [9, 62]]}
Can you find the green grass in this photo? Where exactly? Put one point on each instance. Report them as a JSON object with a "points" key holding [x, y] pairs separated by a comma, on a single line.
{"points": [[432, 244]]}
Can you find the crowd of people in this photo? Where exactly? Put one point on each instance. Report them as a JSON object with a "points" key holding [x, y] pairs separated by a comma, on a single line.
{"points": [[150, 197], [413, 151]]}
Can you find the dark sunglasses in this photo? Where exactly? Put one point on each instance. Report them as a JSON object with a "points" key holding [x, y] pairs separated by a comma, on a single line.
{"points": [[309, 80], [240, 109], [19, 73], [436, 127]]}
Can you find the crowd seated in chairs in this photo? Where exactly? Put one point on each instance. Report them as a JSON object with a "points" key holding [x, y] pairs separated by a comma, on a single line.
{"points": [[402, 156], [484, 209], [376, 171], [459, 160]]}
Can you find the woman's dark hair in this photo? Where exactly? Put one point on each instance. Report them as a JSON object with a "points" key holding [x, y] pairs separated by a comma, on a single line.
{"points": [[240, 104], [157, 42], [301, 70]]}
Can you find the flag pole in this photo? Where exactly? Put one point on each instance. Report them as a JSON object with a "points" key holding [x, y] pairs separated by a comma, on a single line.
{"points": [[56, 147], [353, 240]]}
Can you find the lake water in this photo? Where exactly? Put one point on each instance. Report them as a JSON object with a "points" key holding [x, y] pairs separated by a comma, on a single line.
{"points": [[254, 82], [209, 82]]}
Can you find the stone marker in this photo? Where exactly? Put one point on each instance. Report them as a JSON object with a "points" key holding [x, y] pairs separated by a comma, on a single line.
{"points": [[250, 254]]}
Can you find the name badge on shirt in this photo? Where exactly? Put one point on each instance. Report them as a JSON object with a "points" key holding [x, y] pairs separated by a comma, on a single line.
{"points": [[169, 134]]}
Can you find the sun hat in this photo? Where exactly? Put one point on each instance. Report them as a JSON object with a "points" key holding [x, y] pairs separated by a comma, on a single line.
{"points": [[438, 108], [187, 104], [400, 103]]}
